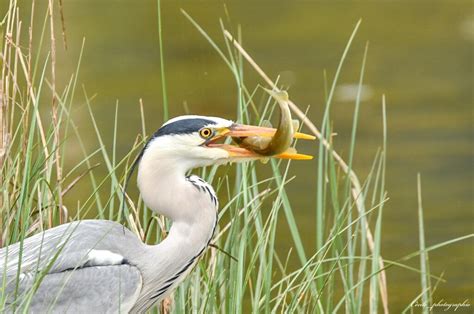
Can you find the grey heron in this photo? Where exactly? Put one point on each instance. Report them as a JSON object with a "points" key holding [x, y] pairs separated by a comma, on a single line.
{"points": [[100, 266]]}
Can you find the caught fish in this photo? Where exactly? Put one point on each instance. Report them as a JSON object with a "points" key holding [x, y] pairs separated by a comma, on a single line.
{"points": [[258, 142], [281, 140]]}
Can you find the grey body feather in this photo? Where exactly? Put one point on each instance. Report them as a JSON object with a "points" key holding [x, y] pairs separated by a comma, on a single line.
{"points": [[71, 280], [110, 289]]}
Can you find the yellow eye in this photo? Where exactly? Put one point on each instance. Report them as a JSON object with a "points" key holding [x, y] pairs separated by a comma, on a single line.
{"points": [[205, 132]]}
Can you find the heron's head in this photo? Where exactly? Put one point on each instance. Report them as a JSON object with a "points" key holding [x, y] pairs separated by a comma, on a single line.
{"points": [[197, 141]]}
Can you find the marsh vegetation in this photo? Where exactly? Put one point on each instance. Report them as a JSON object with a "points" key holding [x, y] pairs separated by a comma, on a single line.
{"points": [[64, 159]]}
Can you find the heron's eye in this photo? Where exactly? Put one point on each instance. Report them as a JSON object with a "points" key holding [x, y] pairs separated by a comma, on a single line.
{"points": [[205, 132]]}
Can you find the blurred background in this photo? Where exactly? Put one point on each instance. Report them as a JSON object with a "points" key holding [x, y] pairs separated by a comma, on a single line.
{"points": [[420, 56]]}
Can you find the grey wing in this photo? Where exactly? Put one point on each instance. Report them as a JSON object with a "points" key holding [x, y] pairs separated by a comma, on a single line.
{"points": [[99, 289], [66, 246], [88, 255]]}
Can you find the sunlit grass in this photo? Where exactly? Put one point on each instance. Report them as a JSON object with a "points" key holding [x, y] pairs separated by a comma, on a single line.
{"points": [[243, 271]]}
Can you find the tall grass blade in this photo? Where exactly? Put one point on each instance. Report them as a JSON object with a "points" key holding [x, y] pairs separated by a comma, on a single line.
{"points": [[424, 262], [162, 64]]}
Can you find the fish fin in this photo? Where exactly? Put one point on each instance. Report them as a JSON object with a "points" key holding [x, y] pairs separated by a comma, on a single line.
{"points": [[280, 95]]}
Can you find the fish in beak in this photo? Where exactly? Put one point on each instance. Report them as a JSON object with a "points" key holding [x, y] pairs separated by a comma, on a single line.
{"points": [[264, 142], [255, 142]]}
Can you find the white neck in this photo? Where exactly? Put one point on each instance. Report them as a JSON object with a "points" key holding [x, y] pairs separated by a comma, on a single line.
{"points": [[166, 191]]}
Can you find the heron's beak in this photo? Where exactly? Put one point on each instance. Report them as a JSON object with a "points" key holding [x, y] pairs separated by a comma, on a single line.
{"points": [[240, 132]]}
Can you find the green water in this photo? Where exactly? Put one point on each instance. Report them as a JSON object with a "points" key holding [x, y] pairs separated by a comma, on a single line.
{"points": [[420, 56]]}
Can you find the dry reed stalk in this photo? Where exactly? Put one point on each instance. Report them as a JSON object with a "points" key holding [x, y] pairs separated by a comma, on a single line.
{"points": [[56, 121], [63, 23], [29, 70], [30, 93], [166, 305], [356, 186], [4, 114], [16, 66], [2, 149]]}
